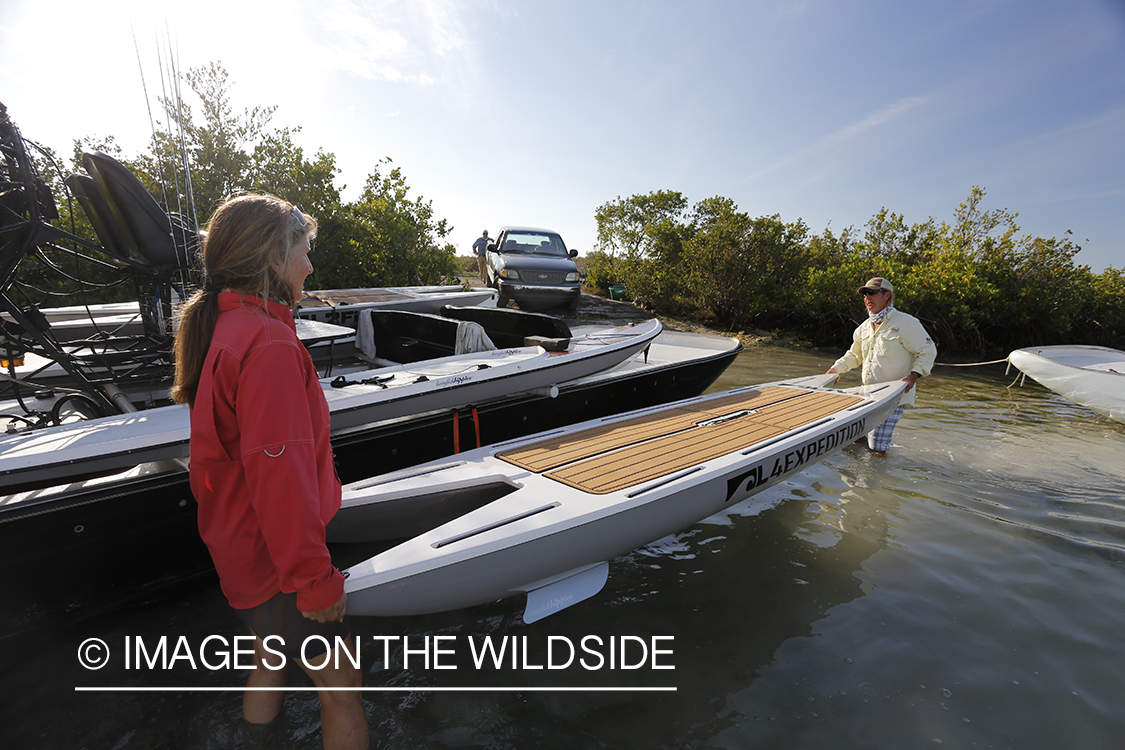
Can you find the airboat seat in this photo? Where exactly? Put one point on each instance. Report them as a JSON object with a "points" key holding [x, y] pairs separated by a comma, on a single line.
{"points": [[86, 191], [143, 225]]}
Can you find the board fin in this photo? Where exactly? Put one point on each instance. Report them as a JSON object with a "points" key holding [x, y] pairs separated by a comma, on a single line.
{"points": [[551, 595]]}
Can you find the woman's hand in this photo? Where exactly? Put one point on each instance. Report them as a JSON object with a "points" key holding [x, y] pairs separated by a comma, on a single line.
{"points": [[335, 613]]}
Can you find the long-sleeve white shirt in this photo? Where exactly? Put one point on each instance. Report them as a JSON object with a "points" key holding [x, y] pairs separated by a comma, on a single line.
{"points": [[899, 347]]}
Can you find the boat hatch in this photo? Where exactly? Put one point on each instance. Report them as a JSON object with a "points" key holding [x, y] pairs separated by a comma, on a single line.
{"points": [[492, 526], [413, 513]]}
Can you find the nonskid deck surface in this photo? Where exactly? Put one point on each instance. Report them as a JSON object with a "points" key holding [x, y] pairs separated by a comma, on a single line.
{"points": [[612, 457], [351, 297]]}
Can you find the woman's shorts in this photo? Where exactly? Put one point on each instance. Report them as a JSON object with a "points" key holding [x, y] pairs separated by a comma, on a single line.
{"points": [[279, 616]]}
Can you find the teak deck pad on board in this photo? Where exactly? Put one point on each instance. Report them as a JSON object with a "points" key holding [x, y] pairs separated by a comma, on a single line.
{"points": [[610, 458]]}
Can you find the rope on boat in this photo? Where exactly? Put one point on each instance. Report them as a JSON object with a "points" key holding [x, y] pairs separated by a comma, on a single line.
{"points": [[1019, 378], [971, 364]]}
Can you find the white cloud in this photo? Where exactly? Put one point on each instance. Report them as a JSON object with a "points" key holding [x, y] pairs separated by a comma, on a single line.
{"points": [[388, 40], [882, 117], [791, 8], [877, 119]]}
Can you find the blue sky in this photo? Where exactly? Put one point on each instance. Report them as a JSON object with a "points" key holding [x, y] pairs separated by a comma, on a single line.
{"points": [[537, 113]]}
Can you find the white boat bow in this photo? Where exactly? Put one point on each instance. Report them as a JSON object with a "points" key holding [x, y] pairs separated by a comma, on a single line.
{"points": [[518, 514], [1093, 376]]}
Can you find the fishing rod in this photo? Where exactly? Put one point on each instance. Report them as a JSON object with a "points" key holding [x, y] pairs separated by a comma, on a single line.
{"points": [[169, 174], [151, 122], [174, 67]]}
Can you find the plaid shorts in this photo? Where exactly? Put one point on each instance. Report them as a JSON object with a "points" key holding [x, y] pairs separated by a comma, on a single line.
{"points": [[879, 439]]}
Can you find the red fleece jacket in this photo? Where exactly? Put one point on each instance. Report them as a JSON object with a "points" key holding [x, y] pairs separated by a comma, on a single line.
{"points": [[261, 460]]}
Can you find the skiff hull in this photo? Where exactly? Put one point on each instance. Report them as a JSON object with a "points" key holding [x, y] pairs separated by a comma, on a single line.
{"points": [[57, 454], [105, 542], [567, 501], [1093, 376]]}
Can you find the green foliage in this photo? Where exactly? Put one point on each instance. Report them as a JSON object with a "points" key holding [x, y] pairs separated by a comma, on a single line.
{"points": [[631, 225], [640, 245], [1102, 313], [231, 153], [888, 237], [985, 284], [601, 272], [712, 260], [217, 149], [830, 249], [279, 167], [976, 282], [827, 296], [383, 238], [745, 271]]}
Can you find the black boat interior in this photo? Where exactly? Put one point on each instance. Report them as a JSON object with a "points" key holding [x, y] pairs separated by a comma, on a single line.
{"points": [[406, 337]]}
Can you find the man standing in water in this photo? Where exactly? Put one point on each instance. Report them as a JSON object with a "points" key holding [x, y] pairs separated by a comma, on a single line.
{"points": [[890, 345], [480, 248]]}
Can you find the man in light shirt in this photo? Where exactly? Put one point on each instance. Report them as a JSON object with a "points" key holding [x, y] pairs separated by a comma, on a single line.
{"points": [[889, 345]]}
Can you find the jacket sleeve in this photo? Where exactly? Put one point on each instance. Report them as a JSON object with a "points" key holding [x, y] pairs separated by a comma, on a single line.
{"points": [[279, 459], [918, 342], [853, 358]]}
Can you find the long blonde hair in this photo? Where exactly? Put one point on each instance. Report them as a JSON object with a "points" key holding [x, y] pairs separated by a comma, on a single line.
{"points": [[248, 247]]}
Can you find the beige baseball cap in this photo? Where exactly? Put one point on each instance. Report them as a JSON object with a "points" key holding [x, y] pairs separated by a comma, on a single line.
{"points": [[877, 283]]}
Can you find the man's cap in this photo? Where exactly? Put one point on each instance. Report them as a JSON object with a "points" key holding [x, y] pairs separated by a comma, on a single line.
{"points": [[877, 283]]}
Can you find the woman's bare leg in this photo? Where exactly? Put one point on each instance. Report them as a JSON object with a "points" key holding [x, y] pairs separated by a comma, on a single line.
{"points": [[262, 707], [342, 718]]}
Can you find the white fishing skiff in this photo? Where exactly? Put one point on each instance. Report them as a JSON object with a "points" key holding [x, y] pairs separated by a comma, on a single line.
{"points": [[1093, 376], [120, 441], [107, 357], [342, 306], [337, 306], [544, 515]]}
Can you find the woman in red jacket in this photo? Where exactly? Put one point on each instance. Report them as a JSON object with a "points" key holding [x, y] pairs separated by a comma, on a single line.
{"points": [[261, 460]]}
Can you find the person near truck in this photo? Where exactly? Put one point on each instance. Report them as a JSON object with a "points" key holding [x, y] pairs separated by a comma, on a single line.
{"points": [[480, 249]]}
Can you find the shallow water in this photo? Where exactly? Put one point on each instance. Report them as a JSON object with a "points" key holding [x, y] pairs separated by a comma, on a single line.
{"points": [[968, 590]]}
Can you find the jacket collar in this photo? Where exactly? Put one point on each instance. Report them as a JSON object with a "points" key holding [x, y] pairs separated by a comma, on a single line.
{"points": [[231, 300]]}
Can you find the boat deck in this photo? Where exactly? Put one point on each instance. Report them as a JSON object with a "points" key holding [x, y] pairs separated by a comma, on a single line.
{"points": [[613, 457], [350, 297]]}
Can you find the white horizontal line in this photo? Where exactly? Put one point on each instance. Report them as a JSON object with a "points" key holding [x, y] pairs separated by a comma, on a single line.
{"points": [[508, 689]]}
